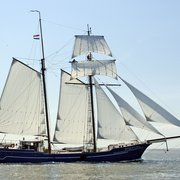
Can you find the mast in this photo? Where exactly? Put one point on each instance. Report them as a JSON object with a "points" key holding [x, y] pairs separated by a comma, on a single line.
{"points": [[43, 69], [91, 94]]}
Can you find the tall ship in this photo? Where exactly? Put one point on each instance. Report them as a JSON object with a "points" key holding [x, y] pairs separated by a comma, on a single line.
{"points": [[89, 111]]}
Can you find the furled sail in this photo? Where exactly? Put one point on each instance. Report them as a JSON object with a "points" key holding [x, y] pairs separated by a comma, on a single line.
{"points": [[21, 107], [72, 111], [85, 44], [111, 124], [131, 116], [152, 111], [95, 67]]}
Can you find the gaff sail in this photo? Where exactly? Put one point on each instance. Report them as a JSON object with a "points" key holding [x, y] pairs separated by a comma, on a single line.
{"points": [[21, 104]]}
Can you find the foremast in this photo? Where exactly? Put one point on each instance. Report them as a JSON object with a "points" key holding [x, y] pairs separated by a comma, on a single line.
{"points": [[86, 45], [43, 69], [89, 58]]}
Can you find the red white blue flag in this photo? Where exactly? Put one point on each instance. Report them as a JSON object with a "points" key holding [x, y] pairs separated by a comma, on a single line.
{"points": [[36, 36]]}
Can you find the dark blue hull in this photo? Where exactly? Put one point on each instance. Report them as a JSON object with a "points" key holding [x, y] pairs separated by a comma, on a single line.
{"points": [[128, 153]]}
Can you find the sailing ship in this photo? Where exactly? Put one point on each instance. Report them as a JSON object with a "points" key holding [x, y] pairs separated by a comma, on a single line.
{"points": [[86, 114]]}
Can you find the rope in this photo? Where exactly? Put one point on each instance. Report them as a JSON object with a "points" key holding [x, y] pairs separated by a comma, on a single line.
{"points": [[65, 26]]}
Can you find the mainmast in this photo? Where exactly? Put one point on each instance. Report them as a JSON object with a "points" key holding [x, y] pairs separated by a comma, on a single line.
{"points": [[43, 69], [89, 58]]}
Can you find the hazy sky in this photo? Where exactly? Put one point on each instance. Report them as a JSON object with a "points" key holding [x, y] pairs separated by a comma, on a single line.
{"points": [[144, 36]]}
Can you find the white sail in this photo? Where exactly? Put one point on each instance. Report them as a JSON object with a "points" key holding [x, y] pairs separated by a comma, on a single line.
{"points": [[95, 67], [153, 111], [131, 116], [72, 111], [85, 44], [111, 124], [21, 107]]}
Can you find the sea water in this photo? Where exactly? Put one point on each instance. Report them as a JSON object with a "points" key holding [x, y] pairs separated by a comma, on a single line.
{"points": [[157, 164]]}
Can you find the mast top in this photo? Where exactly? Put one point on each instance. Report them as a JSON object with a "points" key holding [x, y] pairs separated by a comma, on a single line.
{"points": [[37, 12], [89, 30]]}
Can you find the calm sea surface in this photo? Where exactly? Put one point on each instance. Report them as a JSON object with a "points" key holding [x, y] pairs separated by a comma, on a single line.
{"points": [[157, 164]]}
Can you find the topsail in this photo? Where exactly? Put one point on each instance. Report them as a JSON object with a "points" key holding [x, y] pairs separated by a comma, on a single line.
{"points": [[95, 67], [85, 44]]}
